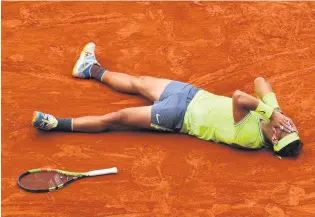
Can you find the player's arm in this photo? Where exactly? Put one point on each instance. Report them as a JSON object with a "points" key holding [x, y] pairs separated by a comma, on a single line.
{"points": [[243, 103], [265, 93]]}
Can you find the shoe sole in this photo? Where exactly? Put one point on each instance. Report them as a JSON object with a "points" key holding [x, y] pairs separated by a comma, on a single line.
{"points": [[76, 66], [34, 118]]}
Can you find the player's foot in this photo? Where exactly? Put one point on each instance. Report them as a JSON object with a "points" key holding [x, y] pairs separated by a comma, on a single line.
{"points": [[44, 121], [82, 68]]}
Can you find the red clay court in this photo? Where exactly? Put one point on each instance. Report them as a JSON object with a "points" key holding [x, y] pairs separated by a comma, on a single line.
{"points": [[217, 46]]}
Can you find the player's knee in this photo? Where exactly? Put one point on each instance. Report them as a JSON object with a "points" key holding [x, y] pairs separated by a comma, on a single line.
{"points": [[111, 118], [143, 79], [237, 94], [259, 79], [121, 116], [141, 82]]}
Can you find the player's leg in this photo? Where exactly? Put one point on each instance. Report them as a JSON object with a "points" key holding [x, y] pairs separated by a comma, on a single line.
{"points": [[146, 86], [88, 67], [139, 117]]}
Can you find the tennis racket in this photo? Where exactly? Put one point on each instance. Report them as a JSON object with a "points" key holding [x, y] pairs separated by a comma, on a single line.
{"points": [[46, 180]]}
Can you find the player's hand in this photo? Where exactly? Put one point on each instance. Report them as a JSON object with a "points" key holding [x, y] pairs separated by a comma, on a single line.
{"points": [[282, 122], [293, 127]]}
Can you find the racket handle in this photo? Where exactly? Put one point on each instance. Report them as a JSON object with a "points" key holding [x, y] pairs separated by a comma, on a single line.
{"points": [[102, 172]]}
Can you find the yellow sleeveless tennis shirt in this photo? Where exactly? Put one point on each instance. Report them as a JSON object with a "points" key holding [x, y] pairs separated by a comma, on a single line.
{"points": [[210, 117]]}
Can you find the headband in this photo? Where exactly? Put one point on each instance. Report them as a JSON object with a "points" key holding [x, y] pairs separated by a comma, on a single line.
{"points": [[286, 141]]}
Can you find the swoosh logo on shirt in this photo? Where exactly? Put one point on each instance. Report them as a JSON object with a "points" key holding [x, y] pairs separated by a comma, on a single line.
{"points": [[157, 117], [262, 112]]}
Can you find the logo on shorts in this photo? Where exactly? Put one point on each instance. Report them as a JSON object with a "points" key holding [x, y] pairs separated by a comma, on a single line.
{"points": [[157, 117]]}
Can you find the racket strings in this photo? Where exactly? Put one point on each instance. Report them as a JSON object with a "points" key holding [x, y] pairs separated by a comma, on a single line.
{"points": [[51, 184], [44, 180], [58, 179], [38, 178]]}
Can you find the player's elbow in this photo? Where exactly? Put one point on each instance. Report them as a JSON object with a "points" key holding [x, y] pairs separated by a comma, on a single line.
{"points": [[238, 97], [259, 79], [237, 94]]}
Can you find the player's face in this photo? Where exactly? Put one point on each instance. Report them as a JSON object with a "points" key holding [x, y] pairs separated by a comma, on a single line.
{"points": [[277, 134]]}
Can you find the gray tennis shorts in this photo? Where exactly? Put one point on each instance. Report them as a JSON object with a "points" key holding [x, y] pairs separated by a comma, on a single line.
{"points": [[168, 113]]}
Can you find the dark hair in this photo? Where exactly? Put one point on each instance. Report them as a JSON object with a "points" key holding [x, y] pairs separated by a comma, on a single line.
{"points": [[291, 150]]}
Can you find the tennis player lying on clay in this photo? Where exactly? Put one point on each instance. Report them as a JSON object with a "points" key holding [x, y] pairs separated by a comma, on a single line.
{"points": [[241, 121]]}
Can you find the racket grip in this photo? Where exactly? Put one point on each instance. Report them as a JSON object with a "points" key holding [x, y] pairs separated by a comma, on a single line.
{"points": [[102, 172]]}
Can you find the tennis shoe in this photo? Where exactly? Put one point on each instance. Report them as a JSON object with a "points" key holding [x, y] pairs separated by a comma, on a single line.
{"points": [[82, 68], [44, 121]]}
